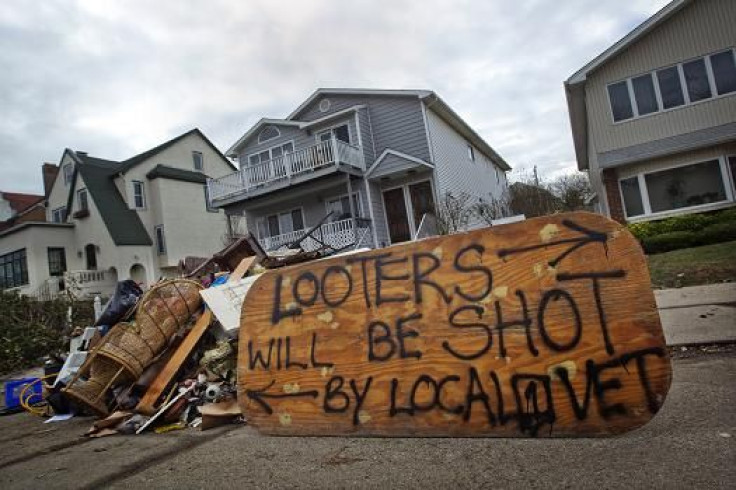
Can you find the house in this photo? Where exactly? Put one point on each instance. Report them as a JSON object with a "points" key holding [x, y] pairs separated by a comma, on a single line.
{"points": [[16, 208], [654, 116], [364, 165], [107, 220]]}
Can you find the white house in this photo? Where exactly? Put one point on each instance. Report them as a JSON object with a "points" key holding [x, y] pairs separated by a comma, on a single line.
{"points": [[107, 221]]}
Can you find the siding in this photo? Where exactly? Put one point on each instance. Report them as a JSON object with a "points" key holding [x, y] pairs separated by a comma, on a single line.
{"points": [[288, 133], [392, 164], [703, 27], [396, 122], [455, 172]]}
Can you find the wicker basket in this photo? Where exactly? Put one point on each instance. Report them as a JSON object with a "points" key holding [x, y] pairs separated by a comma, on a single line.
{"points": [[129, 348]]}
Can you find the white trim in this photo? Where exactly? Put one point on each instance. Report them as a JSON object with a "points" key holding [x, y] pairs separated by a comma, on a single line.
{"points": [[232, 151], [278, 214], [357, 131], [370, 211], [399, 154], [643, 28], [426, 131], [278, 133], [270, 155], [683, 86], [306, 125], [330, 128], [340, 196], [644, 191], [143, 193], [353, 91], [407, 205]]}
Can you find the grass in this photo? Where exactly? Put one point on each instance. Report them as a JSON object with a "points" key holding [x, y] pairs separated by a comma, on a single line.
{"points": [[708, 264]]}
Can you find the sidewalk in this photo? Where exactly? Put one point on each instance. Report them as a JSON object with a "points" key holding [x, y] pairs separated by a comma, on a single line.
{"points": [[698, 314]]}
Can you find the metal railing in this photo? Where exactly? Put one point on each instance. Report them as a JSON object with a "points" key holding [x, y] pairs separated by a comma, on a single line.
{"points": [[299, 162], [338, 234]]}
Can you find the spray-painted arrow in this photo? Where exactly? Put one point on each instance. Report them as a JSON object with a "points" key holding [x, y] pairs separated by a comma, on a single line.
{"points": [[589, 236], [259, 395]]}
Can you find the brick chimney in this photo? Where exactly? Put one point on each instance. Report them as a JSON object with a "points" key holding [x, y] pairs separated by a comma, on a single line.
{"points": [[49, 171]]}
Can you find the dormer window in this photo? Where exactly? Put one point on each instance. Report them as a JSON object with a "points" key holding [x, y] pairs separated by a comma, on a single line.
{"points": [[268, 133], [68, 169], [198, 160], [139, 195]]}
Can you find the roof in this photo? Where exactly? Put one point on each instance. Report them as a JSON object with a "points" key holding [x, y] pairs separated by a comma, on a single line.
{"points": [[27, 224], [133, 161], [20, 202], [166, 172], [123, 224], [575, 85], [433, 101]]}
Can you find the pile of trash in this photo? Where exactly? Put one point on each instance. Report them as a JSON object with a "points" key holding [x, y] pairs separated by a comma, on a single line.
{"points": [[164, 359]]}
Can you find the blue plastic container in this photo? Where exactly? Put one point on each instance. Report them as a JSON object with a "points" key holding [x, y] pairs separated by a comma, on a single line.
{"points": [[14, 388]]}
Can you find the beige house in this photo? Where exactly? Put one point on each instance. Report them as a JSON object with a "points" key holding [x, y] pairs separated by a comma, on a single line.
{"points": [[654, 116], [107, 221]]}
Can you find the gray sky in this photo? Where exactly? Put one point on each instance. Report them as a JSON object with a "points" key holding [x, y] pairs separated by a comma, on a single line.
{"points": [[115, 77]]}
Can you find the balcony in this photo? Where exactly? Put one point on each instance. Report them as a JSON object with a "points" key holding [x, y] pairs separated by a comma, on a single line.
{"points": [[90, 283], [283, 171], [338, 235]]}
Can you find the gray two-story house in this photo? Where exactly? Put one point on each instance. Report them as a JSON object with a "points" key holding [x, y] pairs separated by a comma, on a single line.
{"points": [[654, 116], [365, 165]]}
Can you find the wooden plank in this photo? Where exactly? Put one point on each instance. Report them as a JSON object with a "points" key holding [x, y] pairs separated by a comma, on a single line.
{"points": [[163, 379], [242, 269], [541, 328]]}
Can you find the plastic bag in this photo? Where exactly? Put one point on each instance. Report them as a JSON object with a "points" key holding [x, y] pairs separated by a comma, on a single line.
{"points": [[125, 297]]}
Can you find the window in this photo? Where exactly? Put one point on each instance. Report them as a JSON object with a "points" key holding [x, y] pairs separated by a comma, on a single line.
{"points": [[687, 186], [632, 197], [198, 161], [341, 133], [670, 88], [268, 133], [685, 83], [58, 215], [160, 240], [646, 99], [68, 173], [684, 187], [139, 195], [57, 261], [324, 105], [281, 223], [696, 80], [618, 93], [13, 269], [207, 203], [471, 153], [82, 200], [724, 72], [270, 154], [340, 207]]}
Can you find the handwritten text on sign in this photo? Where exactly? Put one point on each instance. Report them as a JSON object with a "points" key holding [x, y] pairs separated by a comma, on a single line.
{"points": [[546, 327]]}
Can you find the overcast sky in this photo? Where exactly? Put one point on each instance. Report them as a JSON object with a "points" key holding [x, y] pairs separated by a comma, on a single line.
{"points": [[115, 78]]}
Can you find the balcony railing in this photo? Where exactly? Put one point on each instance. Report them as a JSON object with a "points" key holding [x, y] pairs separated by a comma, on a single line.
{"points": [[338, 234], [300, 162]]}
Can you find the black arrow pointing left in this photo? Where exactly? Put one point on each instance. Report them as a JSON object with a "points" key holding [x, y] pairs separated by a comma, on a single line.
{"points": [[259, 395]]}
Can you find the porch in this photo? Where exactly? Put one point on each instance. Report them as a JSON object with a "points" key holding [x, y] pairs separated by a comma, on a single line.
{"points": [[288, 169], [337, 234]]}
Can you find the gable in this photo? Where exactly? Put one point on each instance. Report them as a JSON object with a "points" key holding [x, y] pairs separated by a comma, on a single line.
{"points": [[392, 162]]}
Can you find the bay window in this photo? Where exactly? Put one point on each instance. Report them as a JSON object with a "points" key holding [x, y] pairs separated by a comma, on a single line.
{"points": [[684, 187]]}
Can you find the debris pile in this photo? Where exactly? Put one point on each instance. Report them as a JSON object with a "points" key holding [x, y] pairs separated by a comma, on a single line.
{"points": [[165, 359]]}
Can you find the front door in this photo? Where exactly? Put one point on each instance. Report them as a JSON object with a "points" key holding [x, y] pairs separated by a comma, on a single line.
{"points": [[396, 215]]}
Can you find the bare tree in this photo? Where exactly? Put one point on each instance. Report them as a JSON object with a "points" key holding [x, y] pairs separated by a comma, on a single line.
{"points": [[492, 208], [453, 213], [572, 191]]}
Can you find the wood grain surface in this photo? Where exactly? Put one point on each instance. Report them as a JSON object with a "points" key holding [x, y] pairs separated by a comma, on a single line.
{"points": [[546, 327]]}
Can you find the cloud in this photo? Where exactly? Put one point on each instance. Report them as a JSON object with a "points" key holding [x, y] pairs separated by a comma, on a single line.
{"points": [[116, 78]]}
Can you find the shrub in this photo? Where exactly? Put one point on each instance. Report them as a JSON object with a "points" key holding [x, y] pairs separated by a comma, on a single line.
{"points": [[688, 222], [717, 233], [30, 329], [669, 241]]}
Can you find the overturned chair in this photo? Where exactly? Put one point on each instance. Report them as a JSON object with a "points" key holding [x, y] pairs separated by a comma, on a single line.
{"points": [[126, 351]]}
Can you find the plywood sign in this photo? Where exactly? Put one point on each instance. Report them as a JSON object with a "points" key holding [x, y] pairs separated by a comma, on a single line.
{"points": [[541, 328]]}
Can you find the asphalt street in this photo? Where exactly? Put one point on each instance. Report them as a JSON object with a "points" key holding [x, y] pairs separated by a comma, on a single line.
{"points": [[690, 443]]}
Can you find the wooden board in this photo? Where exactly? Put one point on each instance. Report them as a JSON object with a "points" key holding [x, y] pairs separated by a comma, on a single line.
{"points": [[541, 328]]}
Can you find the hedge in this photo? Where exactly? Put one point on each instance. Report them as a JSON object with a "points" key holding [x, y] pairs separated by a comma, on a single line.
{"points": [[30, 329], [674, 240], [688, 222]]}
